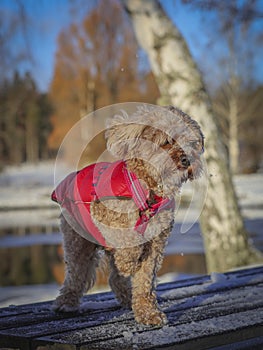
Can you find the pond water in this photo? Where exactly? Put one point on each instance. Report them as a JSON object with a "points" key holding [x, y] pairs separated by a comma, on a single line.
{"points": [[37, 258], [28, 253], [34, 255], [28, 265]]}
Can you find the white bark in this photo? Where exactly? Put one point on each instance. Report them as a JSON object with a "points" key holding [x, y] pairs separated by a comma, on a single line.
{"points": [[233, 126], [180, 84], [233, 136]]}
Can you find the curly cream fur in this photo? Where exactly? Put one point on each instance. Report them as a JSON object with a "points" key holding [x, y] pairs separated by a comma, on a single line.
{"points": [[157, 144]]}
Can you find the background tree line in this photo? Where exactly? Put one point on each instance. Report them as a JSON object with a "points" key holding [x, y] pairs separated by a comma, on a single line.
{"points": [[25, 121]]}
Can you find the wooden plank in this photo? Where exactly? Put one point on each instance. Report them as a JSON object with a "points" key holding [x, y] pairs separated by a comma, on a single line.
{"points": [[188, 320], [197, 336], [188, 296], [13, 316], [222, 306]]}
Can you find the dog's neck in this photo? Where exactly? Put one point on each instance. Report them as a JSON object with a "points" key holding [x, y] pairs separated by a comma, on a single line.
{"points": [[145, 172]]}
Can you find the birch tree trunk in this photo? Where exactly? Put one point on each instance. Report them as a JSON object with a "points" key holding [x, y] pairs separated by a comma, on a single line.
{"points": [[233, 127], [180, 84], [233, 136]]}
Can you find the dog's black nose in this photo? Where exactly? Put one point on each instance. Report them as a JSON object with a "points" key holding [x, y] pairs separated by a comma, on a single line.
{"points": [[185, 162]]}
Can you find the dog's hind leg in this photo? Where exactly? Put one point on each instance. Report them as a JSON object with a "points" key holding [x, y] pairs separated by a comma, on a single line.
{"points": [[120, 285], [81, 259]]}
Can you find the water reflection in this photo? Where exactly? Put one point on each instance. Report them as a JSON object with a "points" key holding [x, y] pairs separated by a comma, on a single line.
{"points": [[38, 258], [33, 264]]}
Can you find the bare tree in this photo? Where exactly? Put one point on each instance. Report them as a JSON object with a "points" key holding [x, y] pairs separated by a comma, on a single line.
{"points": [[20, 111], [247, 106], [180, 83], [96, 65], [235, 28]]}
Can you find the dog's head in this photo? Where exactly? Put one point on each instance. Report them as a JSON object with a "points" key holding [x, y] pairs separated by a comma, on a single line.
{"points": [[164, 137]]}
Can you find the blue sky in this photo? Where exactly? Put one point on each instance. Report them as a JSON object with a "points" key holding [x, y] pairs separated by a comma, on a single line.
{"points": [[48, 18]]}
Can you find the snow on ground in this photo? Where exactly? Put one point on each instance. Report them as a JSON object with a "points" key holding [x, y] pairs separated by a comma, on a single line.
{"points": [[27, 185], [46, 217], [27, 294], [28, 175], [249, 189]]}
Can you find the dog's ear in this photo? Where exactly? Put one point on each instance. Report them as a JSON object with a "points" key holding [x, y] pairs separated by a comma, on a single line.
{"points": [[122, 136]]}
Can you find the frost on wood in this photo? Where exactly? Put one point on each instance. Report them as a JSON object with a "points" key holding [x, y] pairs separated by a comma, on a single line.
{"points": [[203, 312]]}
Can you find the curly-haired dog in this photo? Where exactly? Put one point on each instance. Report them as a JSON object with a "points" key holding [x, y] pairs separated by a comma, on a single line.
{"points": [[128, 207]]}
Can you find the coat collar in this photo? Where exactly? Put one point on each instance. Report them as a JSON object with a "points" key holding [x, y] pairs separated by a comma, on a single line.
{"points": [[146, 210]]}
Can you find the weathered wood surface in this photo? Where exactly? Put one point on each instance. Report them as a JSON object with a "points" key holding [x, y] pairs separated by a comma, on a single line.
{"points": [[220, 312]]}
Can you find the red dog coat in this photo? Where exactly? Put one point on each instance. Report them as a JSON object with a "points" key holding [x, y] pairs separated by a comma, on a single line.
{"points": [[102, 181]]}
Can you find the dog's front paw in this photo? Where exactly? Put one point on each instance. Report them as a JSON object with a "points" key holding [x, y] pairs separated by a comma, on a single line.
{"points": [[65, 304], [151, 316]]}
